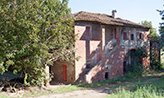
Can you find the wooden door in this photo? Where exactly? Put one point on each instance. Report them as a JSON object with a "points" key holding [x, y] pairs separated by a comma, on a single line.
{"points": [[64, 72]]}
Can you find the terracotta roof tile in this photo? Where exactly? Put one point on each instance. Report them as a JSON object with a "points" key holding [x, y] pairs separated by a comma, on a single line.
{"points": [[104, 19]]}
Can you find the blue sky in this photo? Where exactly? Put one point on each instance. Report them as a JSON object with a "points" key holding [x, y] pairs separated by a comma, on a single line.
{"points": [[133, 10]]}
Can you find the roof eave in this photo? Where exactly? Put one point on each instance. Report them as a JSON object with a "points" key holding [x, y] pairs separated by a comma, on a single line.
{"points": [[146, 27]]}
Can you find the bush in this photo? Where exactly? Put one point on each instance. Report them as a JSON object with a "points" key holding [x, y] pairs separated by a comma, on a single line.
{"points": [[135, 70], [156, 66]]}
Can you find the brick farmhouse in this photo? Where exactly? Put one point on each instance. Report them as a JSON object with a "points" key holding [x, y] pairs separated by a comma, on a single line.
{"points": [[104, 43]]}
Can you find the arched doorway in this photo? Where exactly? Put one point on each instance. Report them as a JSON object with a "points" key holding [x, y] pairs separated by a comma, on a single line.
{"points": [[131, 59]]}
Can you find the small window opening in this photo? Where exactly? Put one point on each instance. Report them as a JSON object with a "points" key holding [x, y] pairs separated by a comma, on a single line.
{"points": [[87, 66], [106, 75], [132, 36], [124, 36], [140, 37], [115, 33], [88, 36]]}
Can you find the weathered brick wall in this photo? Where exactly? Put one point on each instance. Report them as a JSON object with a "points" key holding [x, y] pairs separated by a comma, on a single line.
{"points": [[112, 65], [114, 62], [86, 49], [89, 49]]}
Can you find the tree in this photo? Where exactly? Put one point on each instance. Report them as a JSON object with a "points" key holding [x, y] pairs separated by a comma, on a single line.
{"points": [[31, 33], [161, 41], [153, 33]]}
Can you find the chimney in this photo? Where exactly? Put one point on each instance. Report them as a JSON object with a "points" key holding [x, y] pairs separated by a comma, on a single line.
{"points": [[114, 13]]}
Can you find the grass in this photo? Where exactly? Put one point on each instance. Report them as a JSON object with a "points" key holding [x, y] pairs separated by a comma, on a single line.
{"points": [[141, 92], [105, 82], [131, 83], [153, 89], [67, 89]]}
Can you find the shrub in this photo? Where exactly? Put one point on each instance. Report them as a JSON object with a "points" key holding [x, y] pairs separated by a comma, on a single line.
{"points": [[134, 70]]}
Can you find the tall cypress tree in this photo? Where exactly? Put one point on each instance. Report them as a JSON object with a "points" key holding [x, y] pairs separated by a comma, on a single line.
{"points": [[161, 45]]}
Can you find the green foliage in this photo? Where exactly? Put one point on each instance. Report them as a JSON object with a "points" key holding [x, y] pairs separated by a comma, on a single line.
{"points": [[155, 64], [153, 33], [136, 68], [140, 92], [33, 32], [161, 41]]}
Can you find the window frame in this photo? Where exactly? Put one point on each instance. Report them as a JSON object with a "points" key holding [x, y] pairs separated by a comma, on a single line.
{"points": [[90, 37]]}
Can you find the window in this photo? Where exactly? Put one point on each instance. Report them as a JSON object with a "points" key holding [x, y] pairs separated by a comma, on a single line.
{"points": [[140, 36], [87, 35], [132, 36], [124, 36], [115, 33], [87, 66]]}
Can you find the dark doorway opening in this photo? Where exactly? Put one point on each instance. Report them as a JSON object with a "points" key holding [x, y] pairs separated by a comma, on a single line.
{"points": [[124, 67], [106, 75]]}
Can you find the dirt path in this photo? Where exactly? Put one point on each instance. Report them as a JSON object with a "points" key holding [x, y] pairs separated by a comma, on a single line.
{"points": [[97, 92], [88, 93]]}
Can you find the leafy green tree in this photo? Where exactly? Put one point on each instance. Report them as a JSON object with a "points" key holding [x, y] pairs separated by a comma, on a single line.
{"points": [[153, 33], [32, 33], [161, 12]]}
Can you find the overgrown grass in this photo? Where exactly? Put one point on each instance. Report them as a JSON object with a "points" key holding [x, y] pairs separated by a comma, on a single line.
{"points": [[142, 92], [154, 89], [131, 83]]}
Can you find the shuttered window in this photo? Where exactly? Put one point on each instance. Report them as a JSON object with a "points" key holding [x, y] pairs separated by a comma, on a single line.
{"points": [[87, 35], [124, 36]]}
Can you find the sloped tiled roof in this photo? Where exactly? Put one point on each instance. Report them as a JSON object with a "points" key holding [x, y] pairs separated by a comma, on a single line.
{"points": [[105, 19]]}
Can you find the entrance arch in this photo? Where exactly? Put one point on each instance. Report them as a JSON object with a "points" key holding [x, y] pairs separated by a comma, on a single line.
{"points": [[130, 59]]}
